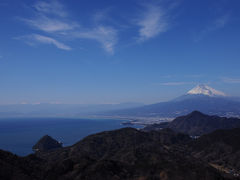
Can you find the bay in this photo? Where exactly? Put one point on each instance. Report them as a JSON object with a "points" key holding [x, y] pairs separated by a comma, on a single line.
{"points": [[18, 135]]}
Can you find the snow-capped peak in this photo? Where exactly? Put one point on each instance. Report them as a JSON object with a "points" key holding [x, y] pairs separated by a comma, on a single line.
{"points": [[205, 90]]}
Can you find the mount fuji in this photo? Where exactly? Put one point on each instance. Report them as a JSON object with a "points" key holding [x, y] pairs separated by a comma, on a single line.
{"points": [[205, 90], [201, 98]]}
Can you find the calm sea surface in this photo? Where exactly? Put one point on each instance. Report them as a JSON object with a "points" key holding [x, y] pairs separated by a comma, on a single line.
{"points": [[19, 135]]}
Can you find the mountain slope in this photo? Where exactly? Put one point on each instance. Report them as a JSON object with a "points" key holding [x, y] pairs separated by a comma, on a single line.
{"points": [[13, 167], [126, 154], [201, 98], [221, 148], [197, 123]]}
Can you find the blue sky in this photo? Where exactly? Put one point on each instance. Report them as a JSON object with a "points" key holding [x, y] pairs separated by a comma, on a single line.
{"points": [[91, 51]]}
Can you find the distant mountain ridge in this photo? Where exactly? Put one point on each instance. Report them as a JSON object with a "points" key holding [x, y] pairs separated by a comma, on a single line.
{"points": [[197, 124], [201, 98]]}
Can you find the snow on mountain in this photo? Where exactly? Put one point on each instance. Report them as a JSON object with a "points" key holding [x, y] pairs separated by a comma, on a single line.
{"points": [[205, 90]]}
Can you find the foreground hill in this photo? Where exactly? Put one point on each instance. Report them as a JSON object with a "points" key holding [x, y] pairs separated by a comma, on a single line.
{"points": [[197, 123], [126, 154], [221, 148]]}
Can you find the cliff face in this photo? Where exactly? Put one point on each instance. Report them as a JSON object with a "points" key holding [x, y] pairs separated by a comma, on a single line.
{"points": [[126, 154]]}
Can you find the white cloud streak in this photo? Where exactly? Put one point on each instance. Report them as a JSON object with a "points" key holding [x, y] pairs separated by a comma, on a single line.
{"points": [[36, 38], [221, 22], [218, 23], [184, 76], [107, 36], [52, 18], [52, 7], [231, 80], [153, 22], [50, 25], [174, 83]]}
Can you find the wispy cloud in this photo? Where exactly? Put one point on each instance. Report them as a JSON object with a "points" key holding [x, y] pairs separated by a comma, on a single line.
{"points": [[184, 76], [231, 80], [221, 22], [152, 22], [52, 18], [102, 15], [107, 36], [174, 83], [218, 23], [194, 75], [168, 76], [50, 25], [52, 7], [36, 38]]}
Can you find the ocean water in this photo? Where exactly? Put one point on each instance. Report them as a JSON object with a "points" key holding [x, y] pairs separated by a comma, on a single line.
{"points": [[19, 135]]}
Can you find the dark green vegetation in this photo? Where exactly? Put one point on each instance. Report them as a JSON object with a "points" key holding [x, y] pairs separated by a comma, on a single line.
{"points": [[130, 154], [220, 148], [126, 154], [197, 123]]}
